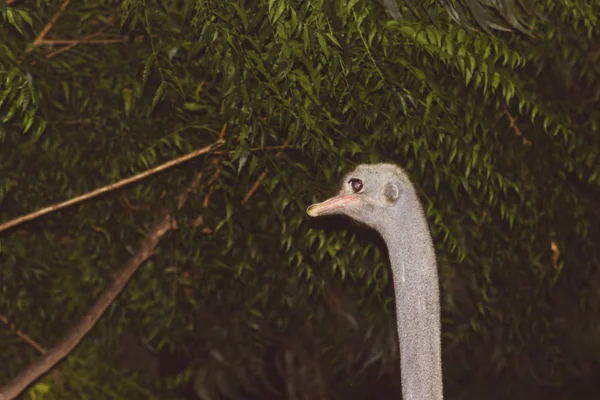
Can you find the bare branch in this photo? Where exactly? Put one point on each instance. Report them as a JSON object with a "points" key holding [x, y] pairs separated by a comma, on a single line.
{"points": [[108, 188], [78, 332], [82, 41], [93, 35], [23, 336], [51, 23], [515, 127], [262, 177], [215, 163]]}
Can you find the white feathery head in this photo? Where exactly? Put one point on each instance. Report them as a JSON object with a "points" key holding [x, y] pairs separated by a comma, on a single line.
{"points": [[368, 194]]}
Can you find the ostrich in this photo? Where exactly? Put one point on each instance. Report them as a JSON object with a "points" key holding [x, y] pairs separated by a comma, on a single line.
{"points": [[382, 197]]}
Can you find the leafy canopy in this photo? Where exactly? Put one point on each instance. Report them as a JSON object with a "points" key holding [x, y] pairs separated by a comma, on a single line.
{"points": [[492, 107]]}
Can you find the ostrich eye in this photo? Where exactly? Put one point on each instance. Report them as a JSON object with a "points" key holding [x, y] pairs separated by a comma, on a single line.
{"points": [[356, 185]]}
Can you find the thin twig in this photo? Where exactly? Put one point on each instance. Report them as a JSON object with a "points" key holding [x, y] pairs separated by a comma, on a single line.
{"points": [[555, 253], [23, 336], [281, 147], [514, 126], [255, 187], [51, 23], [93, 35], [199, 221], [215, 163], [108, 188], [82, 41], [61, 50], [80, 330], [261, 177], [135, 207], [481, 220]]}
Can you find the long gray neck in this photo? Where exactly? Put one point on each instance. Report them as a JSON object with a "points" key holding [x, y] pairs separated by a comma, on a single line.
{"points": [[416, 289]]}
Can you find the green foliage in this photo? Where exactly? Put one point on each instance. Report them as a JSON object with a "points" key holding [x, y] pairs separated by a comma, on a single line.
{"points": [[499, 129]]}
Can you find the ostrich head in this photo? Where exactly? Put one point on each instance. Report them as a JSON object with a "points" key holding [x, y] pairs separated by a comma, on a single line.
{"points": [[369, 194], [382, 197]]}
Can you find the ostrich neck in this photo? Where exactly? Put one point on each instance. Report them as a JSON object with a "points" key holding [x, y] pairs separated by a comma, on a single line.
{"points": [[416, 289]]}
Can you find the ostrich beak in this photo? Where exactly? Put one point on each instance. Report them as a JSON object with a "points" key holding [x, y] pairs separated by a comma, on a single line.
{"points": [[333, 205]]}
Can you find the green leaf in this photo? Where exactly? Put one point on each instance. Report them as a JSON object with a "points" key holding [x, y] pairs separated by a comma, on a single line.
{"points": [[160, 91], [276, 9], [351, 5], [241, 14], [323, 44], [127, 100], [194, 106]]}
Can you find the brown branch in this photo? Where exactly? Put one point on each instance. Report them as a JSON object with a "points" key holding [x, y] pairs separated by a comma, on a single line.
{"points": [[93, 35], [41, 38], [83, 41], [79, 331], [282, 147], [61, 50], [183, 197], [76, 334], [215, 163], [135, 207], [261, 177], [515, 127], [255, 187], [51, 23], [107, 188], [555, 253], [481, 220], [23, 336], [199, 221]]}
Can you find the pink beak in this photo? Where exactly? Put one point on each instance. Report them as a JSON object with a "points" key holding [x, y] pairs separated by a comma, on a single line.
{"points": [[332, 205]]}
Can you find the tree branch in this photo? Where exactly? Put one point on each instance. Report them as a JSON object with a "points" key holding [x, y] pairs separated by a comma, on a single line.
{"points": [[108, 188], [93, 35], [78, 332], [261, 177], [216, 163], [83, 41], [23, 336], [51, 23], [514, 126]]}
